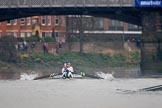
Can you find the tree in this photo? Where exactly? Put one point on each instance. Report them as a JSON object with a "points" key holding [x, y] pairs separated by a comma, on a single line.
{"points": [[69, 31], [76, 26], [80, 26], [8, 50]]}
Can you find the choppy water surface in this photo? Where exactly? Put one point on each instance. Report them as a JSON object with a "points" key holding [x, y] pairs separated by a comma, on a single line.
{"points": [[79, 93]]}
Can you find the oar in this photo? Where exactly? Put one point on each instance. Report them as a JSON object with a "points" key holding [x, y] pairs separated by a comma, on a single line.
{"points": [[93, 76], [87, 75], [153, 88], [46, 76], [41, 77]]}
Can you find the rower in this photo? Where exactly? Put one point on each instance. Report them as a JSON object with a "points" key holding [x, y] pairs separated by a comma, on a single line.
{"points": [[67, 70]]}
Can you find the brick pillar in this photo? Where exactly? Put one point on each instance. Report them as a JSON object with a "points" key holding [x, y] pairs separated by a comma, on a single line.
{"points": [[151, 48]]}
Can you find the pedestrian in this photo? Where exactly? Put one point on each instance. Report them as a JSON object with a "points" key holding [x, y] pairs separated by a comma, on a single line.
{"points": [[33, 46], [57, 48], [47, 47], [25, 46], [44, 47]]}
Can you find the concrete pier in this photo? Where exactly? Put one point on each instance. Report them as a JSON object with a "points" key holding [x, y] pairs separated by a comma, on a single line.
{"points": [[151, 48]]}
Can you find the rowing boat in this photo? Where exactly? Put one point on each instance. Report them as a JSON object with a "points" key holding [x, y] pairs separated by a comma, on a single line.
{"points": [[78, 75]]}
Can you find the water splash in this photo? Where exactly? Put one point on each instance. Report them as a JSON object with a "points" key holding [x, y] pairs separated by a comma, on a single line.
{"points": [[26, 76], [106, 76]]}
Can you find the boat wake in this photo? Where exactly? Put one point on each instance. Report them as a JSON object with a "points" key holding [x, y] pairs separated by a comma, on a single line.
{"points": [[30, 76], [106, 76]]}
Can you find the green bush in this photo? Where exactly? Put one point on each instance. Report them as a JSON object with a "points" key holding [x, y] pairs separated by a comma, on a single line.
{"points": [[135, 56], [29, 39], [49, 39], [2, 65], [83, 59], [33, 39], [20, 39]]}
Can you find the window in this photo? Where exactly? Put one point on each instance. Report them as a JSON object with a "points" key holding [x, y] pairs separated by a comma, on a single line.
{"points": [[111, 22], [63, 38], [133, 27], [29, 34], [15, 34], [130, 26], [56, 34], [100, 23], [43, 34], [63, 20], [56, 20], [43, 20], [8, 22], [50, 34], [8, 33], [22, 21], [139, 27], [28, 21], [120, 24], [22, 34], [34, 21], [49, 20], [15, 22]]}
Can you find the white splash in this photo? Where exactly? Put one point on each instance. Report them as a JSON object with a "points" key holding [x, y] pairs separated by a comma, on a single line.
{"points": [[25, 76], [106, 76]]}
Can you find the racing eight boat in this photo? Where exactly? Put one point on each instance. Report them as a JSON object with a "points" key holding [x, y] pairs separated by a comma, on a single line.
{"points": [[76, 75]]}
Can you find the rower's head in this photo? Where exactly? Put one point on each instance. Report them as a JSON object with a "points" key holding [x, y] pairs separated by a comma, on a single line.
{"points": [[65, 64], [68, 64]]}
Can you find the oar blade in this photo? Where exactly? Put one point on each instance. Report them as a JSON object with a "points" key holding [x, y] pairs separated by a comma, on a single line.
{"points": [[47, 76], [41, 77], [87, 75]]}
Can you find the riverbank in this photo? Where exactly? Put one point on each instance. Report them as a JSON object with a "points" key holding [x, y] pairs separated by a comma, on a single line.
{"points": [[121, 65]]}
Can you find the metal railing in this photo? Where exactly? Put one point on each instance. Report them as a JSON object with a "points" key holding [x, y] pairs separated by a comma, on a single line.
{"points": [[65, 3]]}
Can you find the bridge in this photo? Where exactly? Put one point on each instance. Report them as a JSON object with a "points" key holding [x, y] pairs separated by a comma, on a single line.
{"points": [[123, 10], [65, 3], [147, 13]]}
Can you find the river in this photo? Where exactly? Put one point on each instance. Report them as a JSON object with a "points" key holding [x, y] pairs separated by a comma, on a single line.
{"points": [[80, 93]]}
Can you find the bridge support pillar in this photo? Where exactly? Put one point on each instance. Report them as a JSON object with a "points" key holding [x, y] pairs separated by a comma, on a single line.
{"points": [[151, 46]]}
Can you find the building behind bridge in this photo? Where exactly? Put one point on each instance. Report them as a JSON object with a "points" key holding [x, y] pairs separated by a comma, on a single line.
{"points": [[44, 26], [41, 26]]}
